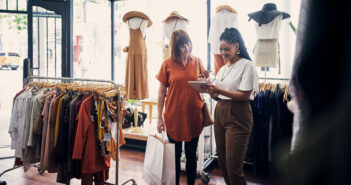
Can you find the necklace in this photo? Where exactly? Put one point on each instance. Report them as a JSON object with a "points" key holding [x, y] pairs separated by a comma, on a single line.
{"points": [[223, 77]]}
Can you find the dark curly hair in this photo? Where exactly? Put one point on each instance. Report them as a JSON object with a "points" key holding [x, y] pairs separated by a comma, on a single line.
{"points": [[233, 36]]}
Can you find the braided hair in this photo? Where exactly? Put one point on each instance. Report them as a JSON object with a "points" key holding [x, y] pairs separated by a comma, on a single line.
{"points": [[233, 36]]}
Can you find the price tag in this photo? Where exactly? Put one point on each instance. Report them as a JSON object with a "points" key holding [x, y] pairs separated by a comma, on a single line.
{"points": [[107, 137]]}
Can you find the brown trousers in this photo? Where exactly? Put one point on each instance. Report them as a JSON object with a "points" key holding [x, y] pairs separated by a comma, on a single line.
{"points": [[233, 123]]}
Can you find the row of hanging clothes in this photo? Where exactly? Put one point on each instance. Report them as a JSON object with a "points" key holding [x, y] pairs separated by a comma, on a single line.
{"points": [[272, 127], [68, 128]]}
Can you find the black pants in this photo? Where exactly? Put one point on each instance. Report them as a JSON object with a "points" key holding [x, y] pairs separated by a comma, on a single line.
{"points": [[190, 155]]}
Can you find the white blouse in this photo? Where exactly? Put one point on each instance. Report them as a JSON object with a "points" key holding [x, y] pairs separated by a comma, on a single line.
{"points": [[223, 19], [241, 76], [136, 22], [170, 26], [270, 30], [20, 121]]}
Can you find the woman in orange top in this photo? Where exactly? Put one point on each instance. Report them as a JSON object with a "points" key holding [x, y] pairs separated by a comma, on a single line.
{"points": [[182, 117]]}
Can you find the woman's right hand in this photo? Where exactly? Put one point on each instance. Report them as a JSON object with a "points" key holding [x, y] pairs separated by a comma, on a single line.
{"points": [[160, 125]]}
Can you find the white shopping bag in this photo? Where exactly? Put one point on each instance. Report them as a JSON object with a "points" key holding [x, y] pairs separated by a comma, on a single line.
{"points": [[159, 162]]}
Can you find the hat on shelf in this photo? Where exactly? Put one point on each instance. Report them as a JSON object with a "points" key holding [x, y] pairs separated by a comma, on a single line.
{"points": [[132, 14], [225, 7], [175, 14], [267, 14]]}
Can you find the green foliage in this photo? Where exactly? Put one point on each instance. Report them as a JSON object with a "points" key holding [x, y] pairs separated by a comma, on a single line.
{"points": [[293, 28], [15, 21]]}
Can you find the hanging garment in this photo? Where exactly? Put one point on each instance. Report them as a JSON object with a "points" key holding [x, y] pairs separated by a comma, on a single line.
{"points": [[270, 30], [31, 141], [266, 50], [272, 129], [136, 80], [219, 62], [168, 28], [45, 113], [267, 53], [85, 146], [39, 114], [223, 19], [219, 22], [49, 163]]}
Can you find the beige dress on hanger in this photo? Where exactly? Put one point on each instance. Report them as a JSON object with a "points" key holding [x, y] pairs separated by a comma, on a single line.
{"points": [[136, 80], [168, 28], [219, 22]]}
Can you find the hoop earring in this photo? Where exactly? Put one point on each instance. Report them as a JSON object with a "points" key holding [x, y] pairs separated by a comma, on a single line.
{"points": [[237, 51]]}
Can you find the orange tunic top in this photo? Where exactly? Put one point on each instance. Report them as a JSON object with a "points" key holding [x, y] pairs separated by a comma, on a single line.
{"points": [[85, 146], [183, 107]]}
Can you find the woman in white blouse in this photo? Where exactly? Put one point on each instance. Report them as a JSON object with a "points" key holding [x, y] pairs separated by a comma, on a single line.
{"points": [[234, 86]]}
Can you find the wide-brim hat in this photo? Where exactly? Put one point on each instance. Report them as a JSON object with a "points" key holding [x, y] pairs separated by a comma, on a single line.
{"points": [[267, 14], [132, 14], [225, 7], [175, 14]]}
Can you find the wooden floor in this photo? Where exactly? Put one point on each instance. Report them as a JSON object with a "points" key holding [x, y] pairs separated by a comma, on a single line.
{"points": [[131, 166]]}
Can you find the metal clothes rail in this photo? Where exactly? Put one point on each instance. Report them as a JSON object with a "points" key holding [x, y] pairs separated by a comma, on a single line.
{"points": [[69, 80], [283, 79]]}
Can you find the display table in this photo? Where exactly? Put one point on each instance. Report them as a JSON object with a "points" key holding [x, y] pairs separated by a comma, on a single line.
{"points": [[146, 130], [150, 103]]}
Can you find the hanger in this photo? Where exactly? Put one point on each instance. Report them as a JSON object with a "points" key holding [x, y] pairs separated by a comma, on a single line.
{"points": [[286, 93]]}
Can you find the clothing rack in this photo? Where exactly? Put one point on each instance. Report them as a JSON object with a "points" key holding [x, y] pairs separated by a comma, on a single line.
{"points": [[254, 163], [283, 79], [68, 80]]}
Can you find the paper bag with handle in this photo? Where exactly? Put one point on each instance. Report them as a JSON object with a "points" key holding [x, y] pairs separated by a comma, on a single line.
{"points": [[159, 165]]}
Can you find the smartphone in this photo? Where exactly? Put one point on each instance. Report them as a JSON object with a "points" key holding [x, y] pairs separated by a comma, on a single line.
{"points": [[206, 72]]}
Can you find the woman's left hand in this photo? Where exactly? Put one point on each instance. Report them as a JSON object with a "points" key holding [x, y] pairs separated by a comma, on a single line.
{"points": [[213, 91]]}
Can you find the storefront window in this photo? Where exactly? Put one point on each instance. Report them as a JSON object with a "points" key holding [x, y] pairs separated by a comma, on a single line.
{"points": [[22, 4], [194, 10], [13, 4], [47, 48], [92, 39]]}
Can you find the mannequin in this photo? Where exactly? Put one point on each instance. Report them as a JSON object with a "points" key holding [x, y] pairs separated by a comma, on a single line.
{"points": [[136, 81], [268, 22], [172, 23], [225, 17]]}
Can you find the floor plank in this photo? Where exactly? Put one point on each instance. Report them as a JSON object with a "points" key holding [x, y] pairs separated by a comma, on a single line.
{"points": [[131, 166]]}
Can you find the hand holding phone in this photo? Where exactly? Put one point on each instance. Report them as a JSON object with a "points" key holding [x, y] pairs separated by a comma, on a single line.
{"points": [[205, 74]]}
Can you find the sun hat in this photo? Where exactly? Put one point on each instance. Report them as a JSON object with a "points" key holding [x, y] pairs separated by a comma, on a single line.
{"points": [[132, 14], [267, 14], [175, 14], [225, 7]]}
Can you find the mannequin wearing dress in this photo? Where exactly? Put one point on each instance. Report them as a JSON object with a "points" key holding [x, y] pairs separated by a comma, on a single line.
{"points": [[136, 80]]}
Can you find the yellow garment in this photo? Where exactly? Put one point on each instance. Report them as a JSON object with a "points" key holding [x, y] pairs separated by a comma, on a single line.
{"points": [[53, 112], [100, 111], [58, 116]]}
